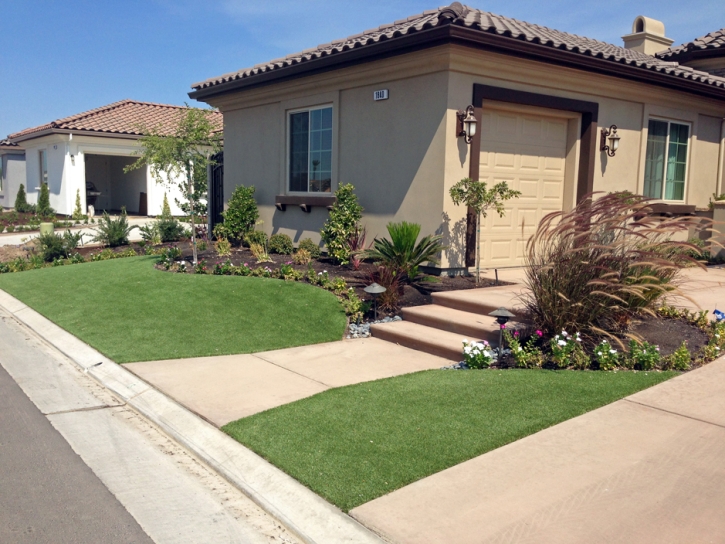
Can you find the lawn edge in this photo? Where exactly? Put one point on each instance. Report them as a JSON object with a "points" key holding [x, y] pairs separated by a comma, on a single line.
{"points": [[303, 512]]}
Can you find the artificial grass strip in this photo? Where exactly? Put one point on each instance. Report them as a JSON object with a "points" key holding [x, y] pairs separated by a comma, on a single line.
{"points": [[131, 312], [356, 443]]}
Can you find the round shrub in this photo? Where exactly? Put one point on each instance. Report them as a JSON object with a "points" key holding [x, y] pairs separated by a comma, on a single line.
{"points": [[241, 214], [311, 247], [256, 237], [281, 243]]}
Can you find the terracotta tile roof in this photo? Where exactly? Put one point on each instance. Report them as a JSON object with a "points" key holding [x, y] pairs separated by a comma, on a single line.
{"points": [[485, 22], [126, 117], [711, 42], [7, 145]]}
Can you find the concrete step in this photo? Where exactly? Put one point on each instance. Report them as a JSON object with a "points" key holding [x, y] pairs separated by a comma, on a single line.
{"points": [[466, 324], [483, 301], [444, 344]]}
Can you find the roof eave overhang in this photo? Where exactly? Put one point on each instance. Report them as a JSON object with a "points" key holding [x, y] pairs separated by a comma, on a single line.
{"points": [[695, 54], [469, 37], [51, 131]]}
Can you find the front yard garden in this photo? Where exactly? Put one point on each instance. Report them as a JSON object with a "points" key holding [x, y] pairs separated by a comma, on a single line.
{"points": [[354, 444], [131, 312]]}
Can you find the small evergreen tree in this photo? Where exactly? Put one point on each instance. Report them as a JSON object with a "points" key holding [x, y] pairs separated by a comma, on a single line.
{"points": [[21, 203], [78, 211], [44, 210], [165, 208], [341, 223], [170, 230], [241, 214]]}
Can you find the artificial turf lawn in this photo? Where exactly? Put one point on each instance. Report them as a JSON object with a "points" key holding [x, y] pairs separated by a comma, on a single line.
{"points": [[353, 444], [130, 311]]}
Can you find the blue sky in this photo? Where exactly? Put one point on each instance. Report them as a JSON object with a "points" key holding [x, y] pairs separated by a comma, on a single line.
{"points": [[63, 57]]}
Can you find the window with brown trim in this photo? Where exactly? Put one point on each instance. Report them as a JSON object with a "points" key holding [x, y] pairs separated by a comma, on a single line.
{"points": [[665, 170]]}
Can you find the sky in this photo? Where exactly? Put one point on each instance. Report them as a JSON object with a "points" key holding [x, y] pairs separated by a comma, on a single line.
{"points": [[62, 57]]}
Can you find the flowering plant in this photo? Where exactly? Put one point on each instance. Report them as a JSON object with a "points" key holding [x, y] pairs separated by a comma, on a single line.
{"points": [[477, 354], [566, 350], [606, 356], [526, 355], [644, 356]]}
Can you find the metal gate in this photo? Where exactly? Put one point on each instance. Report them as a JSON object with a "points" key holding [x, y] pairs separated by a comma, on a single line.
{"points": [[215, 179]]}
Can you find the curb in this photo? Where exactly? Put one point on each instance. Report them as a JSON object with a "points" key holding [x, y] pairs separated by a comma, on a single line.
{"points": [[303, 512]]}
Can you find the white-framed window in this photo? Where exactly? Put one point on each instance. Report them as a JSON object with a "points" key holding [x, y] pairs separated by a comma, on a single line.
{"points": [[43, 160], [309, 157], [665, 170]]}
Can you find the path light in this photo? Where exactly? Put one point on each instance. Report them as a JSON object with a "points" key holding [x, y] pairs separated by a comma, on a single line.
{"points": [[467, 124], [502, 316], [610, 140], [375, 290]]}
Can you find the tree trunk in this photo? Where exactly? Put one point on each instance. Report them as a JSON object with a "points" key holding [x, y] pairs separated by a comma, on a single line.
{"points": [[192, 209], [478, 248]]}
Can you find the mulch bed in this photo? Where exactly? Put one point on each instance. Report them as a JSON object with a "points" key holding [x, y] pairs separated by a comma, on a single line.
{"points": [[668, 334], [23, 218]]}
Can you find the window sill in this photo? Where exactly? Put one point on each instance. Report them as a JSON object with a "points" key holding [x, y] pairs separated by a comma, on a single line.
{"points": [[672, 209], [306, 203]]}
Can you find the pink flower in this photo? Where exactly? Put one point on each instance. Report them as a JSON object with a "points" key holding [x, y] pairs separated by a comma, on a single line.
{"points": [[516, 333], [503, 327], [540, 333]]}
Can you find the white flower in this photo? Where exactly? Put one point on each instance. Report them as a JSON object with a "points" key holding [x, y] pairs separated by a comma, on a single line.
{"points": [[657, 348], [319, 273], [519, 349], [578, 339], [556, 337], [612, 351], [717, 348], [599, 353], [564, 333], [561, 343], [467, 349], [324, 271], [465, 341]]}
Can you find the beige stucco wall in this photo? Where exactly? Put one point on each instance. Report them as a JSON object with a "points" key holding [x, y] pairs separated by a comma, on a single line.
{"points": [[402, 154]]}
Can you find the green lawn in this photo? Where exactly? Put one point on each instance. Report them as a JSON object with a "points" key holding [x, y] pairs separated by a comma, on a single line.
{"points": [[356, 443], [130, 311]]}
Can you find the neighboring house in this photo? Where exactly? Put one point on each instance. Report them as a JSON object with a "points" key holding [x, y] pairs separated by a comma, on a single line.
{"points": [[12, 172], [87, 153], [379, 110]]}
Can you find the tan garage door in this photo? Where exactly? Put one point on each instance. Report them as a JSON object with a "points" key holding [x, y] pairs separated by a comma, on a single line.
{"points": [[529, 153]]}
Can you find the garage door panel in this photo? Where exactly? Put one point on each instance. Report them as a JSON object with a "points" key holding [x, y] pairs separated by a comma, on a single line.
{"points": [[529, 153]]}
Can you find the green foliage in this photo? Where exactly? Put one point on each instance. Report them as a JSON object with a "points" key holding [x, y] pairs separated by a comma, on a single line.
{"points": [[311, 247], [566, 351], [260, 253], [643, 356], [606, 357], [54, 246], [113, 232], [169, 228], [281, 244], [401, 254], [477, 355], [223, 247], [241, 215], [43, 208], [258, 237], [526, 355], [342, 222], [680, 359], [78, 211], [21, 202], [150, 233]]}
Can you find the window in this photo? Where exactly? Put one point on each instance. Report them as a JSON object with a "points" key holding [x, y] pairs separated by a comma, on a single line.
{"points": [[310, 150], [43, 167], [665, 167]]}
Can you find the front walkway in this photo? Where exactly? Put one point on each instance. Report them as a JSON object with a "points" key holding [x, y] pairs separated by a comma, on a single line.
{"points": [[648, 468], [18, 238]]}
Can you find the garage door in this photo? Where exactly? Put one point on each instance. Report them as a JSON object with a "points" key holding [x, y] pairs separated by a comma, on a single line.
{"points": [[529, 153]]}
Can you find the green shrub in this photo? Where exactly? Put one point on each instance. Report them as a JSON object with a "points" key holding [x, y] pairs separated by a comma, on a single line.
{"points": [[256, 237], [54, 246], [150, 233], [643, 356], [113, 232], [78, 211], [43, 209], [21, 202], [526, 355], [401, 253], [311, 247], [680, 359], [169, 228], [223, 247], [241, 214], [477, 355], [281, 244], [342, 222], [606, 357]]}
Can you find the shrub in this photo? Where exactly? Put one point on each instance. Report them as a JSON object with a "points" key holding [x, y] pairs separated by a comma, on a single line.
{"points": [[150, 233], [388, 300], [43, 209], [170, 230], [78, 211], [301, 257], [606, 357], [54, 246], [567, 351], [223, 247], [311, 247], [643, 356], [10, 228], [680, 359], [477, 354], [258, 237], [342, 222], [281, 244], [526, 355], [356, 245], [241, 215], [401, 253], [591, 269], [21, 202], [113, 232], [260, 253]]}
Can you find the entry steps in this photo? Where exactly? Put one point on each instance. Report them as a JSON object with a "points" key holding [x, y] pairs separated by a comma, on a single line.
{"points": [[439, 328]]}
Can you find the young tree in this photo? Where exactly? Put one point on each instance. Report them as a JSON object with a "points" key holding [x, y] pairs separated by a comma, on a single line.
{"points": [[77, 211], [21, 203], [180, 159], [480, 199], [44, 210]]}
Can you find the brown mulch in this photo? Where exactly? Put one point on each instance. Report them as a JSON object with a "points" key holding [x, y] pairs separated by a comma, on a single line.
{"points": [[668, 334], [23, 218], [10, 253]]}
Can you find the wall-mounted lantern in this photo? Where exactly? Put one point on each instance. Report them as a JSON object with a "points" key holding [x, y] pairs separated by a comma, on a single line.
{"points": [[467, 124], [610, 140]]}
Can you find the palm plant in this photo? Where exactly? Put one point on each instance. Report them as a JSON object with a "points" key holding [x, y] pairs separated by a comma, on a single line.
{"points": [[403, 254], [113, 232]]}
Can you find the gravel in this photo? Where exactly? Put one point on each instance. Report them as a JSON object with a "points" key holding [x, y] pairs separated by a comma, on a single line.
{"points": [[362, 330]]}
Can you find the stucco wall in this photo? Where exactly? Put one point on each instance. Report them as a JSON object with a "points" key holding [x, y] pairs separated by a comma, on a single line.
{"points": [[13, 173]]}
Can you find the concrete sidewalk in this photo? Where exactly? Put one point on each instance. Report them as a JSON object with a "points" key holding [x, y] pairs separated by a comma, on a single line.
{"points": [[18, 238], [229, 387], [648, 468]]}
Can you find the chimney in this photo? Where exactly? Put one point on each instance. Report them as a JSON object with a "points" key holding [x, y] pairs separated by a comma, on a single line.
{"points": [[648, 36]]}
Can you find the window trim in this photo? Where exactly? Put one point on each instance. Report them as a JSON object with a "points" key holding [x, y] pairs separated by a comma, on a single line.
{"points": [[288, 142], [670, 122], [42, 167]]}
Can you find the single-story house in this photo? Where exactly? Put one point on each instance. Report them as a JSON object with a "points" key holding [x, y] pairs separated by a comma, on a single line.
{"points": [[12, 172], [381, 109], [86, 154]]}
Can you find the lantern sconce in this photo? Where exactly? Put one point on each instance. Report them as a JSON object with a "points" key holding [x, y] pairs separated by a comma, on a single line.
{"points": [[609, 141], [466, 124]]}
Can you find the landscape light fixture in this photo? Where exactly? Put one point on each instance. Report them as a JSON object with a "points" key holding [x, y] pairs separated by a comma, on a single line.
{"points": [[502, 316], [610, 140], [467, 124], [375, 290]]}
